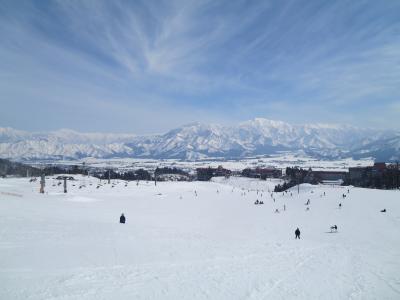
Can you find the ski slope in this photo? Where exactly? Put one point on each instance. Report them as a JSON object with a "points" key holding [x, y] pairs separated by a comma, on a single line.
{"points": [[216, 245]]}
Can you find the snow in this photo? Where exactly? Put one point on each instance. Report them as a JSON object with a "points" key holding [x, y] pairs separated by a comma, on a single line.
{"points": [[280, 161], [216, 245], [197, 140]]}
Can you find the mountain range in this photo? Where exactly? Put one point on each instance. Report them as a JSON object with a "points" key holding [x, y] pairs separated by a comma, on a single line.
{"points": [[197, 141]]}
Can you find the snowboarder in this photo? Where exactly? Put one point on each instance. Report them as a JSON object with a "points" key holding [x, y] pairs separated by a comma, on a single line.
{"points": [[122, 219], [334, 228], [308, 202], [297, 233], [383, 210]]}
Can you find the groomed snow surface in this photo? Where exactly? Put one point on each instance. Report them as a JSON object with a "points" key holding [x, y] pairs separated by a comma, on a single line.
{"points": [[216, 245]]}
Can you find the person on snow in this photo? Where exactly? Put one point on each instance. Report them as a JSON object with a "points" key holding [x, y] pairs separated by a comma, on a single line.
{"points": [[383, 210], [256, 202], [122, 219], [340, 205], [297, 233]]}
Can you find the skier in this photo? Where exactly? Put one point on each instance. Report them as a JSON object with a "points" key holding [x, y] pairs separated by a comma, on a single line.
{"points": [[383, 210], [297, 233], [122, 219], [340, 205]]}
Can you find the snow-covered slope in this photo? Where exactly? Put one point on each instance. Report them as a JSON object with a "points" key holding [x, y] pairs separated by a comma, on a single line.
{"points": [[196, 140], [257, 137], [384, 149], [65, 143], [176, 245]]}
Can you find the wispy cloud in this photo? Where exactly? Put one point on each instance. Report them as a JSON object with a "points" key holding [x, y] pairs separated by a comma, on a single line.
{"points": [[198, 60]]}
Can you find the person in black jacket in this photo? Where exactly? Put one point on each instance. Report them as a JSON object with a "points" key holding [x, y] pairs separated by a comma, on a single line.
{"points": [[122, 219], [297, 233]]}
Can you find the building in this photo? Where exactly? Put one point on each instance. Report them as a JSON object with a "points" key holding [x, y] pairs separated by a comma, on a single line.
{"points": [[329, 175], [357, 173], [262, 173], [205, 174], [378, 169]]}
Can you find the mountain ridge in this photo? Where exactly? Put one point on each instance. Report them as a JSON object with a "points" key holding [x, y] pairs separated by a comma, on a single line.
{"points": [[199, 140]]}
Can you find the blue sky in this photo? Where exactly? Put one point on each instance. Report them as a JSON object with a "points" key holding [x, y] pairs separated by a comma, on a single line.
{"points": [[148, 66]]}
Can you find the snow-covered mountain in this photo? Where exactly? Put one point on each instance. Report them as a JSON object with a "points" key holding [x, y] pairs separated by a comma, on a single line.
{"points": [[64, 143], [197, 140]]}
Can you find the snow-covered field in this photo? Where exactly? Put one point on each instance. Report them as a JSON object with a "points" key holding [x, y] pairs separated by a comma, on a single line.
{"points": [[280, 161], [216, 245]]}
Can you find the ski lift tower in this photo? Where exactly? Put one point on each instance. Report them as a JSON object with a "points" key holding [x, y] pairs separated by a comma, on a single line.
{"points": [[65, 184], [298, 182], [42, 183]]}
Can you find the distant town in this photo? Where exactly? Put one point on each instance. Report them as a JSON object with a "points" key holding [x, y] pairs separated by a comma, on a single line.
{"points": [[380, 175]]}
